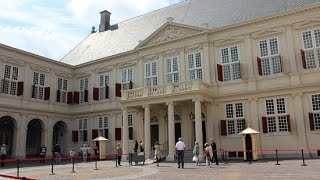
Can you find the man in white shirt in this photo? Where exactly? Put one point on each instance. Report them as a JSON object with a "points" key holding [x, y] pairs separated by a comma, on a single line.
{"points": [[180, 146]]}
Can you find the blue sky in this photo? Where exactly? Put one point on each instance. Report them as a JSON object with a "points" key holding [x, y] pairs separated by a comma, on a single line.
{"points": [[51, 28]]}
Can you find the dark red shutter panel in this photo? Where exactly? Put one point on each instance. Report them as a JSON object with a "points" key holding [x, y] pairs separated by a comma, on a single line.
{"points": [[289, 124], [94, 133], [20, 88], [46, 93], [311, 121], [303, 58], [219, 71], [76, 97], [96, 94], [118, 90], [118, 134], [69, 97], [259, 66], [264, 124], [223, 125], [74, 136]]}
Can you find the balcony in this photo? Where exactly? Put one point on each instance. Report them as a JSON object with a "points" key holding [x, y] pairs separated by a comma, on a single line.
{"points": [[164, 89]]}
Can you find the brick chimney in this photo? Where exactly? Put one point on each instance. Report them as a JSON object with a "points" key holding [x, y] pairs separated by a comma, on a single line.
{"points": [[104, 21]]}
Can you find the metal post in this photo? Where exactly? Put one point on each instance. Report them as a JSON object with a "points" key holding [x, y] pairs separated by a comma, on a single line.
{"points": [[277, 157], [116, 160], [52, 166], [227, 161], [72, 164], [18, 164], [96, 163], [303, 164]]}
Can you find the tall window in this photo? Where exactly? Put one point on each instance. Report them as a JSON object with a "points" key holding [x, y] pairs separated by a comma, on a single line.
{"points": [[84, 85], [235, 118], [38, 85], [103, 126], [151, 74], [230, 63], [130, 125], [10, 80], [126, 77], [195, 66], [270, 56], [276, 115], [83, 129], [104, 82], [316, 110], [62, 90], [172, 70], [311, 44]]}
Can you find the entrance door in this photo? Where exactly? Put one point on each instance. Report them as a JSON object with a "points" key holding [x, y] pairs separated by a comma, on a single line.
{"points": [[177, 132], [4, 138], [154, 134], [249, 147]]}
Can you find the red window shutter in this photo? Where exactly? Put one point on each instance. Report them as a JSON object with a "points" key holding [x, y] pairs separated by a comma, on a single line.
{"points": [[311, 121], [74, 136], [47, 93], [264, 124], [118, 90], [259, 66], [76, 97], [69, 97], [94, 133], [20, 88], [220, 73], [289, 125], [223, 125], [303, 58], [96, 94], [118, 134]]}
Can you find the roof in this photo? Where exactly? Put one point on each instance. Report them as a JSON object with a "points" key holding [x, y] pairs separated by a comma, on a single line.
{"points": [[216, 13], [249, 130]]}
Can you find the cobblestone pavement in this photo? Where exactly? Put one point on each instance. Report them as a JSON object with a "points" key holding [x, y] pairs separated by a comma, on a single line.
{"points": [[262, 170]]}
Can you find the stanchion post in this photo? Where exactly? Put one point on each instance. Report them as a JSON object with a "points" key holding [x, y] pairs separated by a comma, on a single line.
{"points": [[277, 157], [18, 164], [303, 164], [226, 161], [116, 160], [72, 164], [96, 163], [52, 166]]}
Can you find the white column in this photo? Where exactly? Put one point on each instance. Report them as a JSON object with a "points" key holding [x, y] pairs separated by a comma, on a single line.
{"points": [[291, 51], [171, 131], [206, 64], [147, 138], [48, 135], [300, 123], [125, 135], [21, 138], [198, 124], [254, 117]]}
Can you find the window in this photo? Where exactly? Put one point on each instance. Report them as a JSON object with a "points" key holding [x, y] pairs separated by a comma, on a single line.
{"points": [[235, 118], [84, 83], [195, 66], [126, 77], [315, 98], [62, 90], [277, 117], [270, 60], [130, 125], [38, 85], [104, 85], [10, 80], [311, 45], [103, 126], [230, 63], [151, 74], [83, 125], [172, 70]]}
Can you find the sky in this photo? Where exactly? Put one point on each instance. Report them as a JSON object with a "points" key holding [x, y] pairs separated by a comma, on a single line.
{"points": [[52, 28]]}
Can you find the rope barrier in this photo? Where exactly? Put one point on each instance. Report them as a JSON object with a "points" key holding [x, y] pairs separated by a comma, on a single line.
{"points": [[15, 177]]}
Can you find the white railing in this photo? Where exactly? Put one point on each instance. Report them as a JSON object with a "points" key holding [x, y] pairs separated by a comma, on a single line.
{"points": [[164, 89]]}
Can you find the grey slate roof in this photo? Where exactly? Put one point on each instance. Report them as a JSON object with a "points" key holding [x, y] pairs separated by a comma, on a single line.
{"points": [[217, 13]]}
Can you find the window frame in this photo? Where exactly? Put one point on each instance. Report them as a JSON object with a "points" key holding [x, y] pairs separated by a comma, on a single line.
{"points": [[270, 57], [234, 118], [315, 49], [276, 115], [172, 73], [38, 87], [153, 78], [194, 68], [230, 63], [103, 84], [10, 85], [83, 88], [82, 127], [105, 126], [125, 84], [63, 90], [316, 113]]}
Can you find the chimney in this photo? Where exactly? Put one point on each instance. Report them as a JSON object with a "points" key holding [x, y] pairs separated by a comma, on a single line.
{"points": [[104, 21]]}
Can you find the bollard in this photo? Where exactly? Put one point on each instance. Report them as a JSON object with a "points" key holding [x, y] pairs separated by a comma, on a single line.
{"points": [[72, 165], [277, 157], [52, 166], [18, 164], [303, 164]]}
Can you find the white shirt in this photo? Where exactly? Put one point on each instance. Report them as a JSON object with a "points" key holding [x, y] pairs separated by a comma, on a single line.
{"points": [[180, 146]]}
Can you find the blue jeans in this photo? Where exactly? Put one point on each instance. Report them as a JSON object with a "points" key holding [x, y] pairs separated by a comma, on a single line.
{"points": [[181, 158]]}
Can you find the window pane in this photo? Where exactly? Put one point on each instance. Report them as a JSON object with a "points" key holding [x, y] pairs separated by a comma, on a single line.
{"points": [[239, 110], [168, 62], [35, 78], [130, 77], [236, 71], [199, 73], [101, 80], [59, 83], [190, 61], [124, 75], [7, 72], [14, 73], [311, 62], [266, 67], [240, 125], [272, 124], [192, 74], [175, 64], [281, 108], [307, 39], [317, 121], [154, 68], [283, 124], [234, 54], [107, 80], [226, 73], [65, 84], [276, 64], [231, 129], [176, 77], [274, 46], [198, 60], [42, 79], [270, 106], [229, 110], [224, 55], [315, 102], [263, 48]]}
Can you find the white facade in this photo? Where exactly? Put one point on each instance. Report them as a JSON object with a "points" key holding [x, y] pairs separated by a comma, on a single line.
{"points": [[189, 82]]}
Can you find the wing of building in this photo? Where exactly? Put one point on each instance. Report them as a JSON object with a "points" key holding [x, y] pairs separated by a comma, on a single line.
{"points": [[199, 70]]}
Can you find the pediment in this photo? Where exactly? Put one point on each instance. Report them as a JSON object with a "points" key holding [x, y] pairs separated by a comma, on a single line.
{"points": [[37, 67], [83, 74], [228, 41], [127, 64], [169, 32], [62, 74], [268, 32], [307, 24], [11, 60], [104, 69]]}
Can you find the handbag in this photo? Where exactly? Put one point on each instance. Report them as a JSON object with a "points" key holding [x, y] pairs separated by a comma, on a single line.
{"points": [[195, 159]]}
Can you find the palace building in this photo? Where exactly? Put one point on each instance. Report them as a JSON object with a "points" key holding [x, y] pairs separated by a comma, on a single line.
{"points": [[197, 69]]}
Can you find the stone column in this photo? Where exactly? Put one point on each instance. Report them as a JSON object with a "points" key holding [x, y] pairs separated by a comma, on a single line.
{"points": [[300, 123], [147, 138], [182, 63], [254, 117], [48, 136], [21, 138], [206, 64], [198, 124], [125, 135], [171, 131], [250, 64], [291, 51]]}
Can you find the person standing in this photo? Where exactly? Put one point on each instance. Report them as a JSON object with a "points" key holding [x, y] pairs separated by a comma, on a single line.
{"points": [[119, 154], [56, 153], [141, 147], [214, 151], [196, 153], [43, 151], [72, 153], [206, 154], [3, 152], [157, 152], [84, 152], [180, 146], [136, 146]]}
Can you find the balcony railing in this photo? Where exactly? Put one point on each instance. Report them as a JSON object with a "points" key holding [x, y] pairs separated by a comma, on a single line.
{"points": [[164, 89]]}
